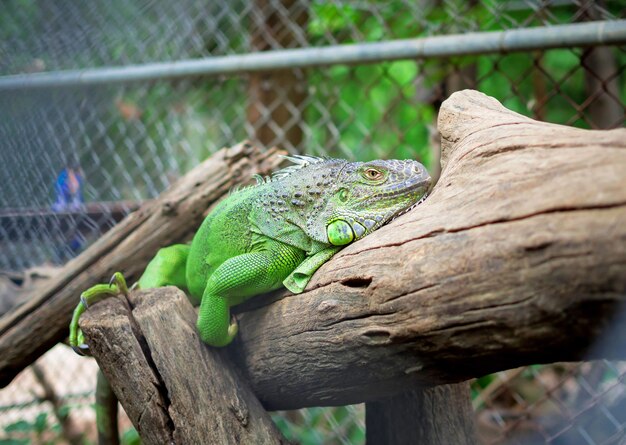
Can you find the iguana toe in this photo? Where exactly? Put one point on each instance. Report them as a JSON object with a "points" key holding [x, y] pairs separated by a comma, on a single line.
{"points": [[117, 285]]}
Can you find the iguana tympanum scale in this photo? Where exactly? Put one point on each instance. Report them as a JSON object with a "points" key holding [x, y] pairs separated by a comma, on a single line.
{"points": [[278, 232]]}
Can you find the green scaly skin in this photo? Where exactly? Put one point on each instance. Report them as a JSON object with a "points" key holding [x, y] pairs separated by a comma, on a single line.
{"points": [[274, 234]]}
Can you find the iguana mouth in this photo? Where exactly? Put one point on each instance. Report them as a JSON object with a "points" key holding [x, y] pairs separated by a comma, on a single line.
{"points": [[408, 209]]}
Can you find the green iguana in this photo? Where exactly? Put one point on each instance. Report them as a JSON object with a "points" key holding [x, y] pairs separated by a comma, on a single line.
{"points": [[275, 233]]}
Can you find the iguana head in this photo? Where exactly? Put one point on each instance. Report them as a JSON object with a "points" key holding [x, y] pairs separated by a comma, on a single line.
{"points": [[367, 195], [352, 199]]}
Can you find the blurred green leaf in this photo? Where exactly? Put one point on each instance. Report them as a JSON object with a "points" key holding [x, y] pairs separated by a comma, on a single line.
{"points": [[331, 17], [21, 426], [40, 423], [10, 441], [64, 410], [131, 437]]}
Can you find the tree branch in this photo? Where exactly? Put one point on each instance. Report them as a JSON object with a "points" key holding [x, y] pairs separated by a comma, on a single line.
{"points": [[517, 257], [441, 415]]}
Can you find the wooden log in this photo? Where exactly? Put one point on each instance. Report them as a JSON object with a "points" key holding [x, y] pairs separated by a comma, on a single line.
{"points": [[517, 257], [173, 388], [37, 325], [442, 415]]}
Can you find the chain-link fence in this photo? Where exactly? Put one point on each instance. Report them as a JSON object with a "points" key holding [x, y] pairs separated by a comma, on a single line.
{"points": [[81, 149]]}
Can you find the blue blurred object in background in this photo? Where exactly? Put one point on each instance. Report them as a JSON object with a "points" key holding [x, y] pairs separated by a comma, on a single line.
{"points": [[68, 190]]}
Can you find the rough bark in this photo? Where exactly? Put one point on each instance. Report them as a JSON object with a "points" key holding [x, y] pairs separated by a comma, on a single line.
{"points": [[33, 328], [517, 257], [173, 388], [435, 416]]}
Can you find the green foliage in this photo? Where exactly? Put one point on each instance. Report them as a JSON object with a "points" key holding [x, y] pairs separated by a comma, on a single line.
{"points": [[375, 106], [375, 110], [130, 437], [21, 426], [23, 432], [331, 18], [313, 426], [12, 441]]}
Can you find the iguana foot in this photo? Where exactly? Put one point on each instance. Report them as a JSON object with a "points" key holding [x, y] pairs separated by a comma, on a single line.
{"points": [[117, 285]]}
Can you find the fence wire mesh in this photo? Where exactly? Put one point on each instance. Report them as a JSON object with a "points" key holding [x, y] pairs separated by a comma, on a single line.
{"points": [[75, 160]]}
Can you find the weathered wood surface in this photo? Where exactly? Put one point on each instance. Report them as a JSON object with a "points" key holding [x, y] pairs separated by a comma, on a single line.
{"points": [[442, 415], [517, 257], [173, 387], [34, 327]]}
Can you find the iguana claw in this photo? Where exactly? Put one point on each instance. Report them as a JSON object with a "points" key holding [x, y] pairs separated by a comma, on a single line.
{"points": [[118, 280], [116, 285], [83, 301], [81, 349]]}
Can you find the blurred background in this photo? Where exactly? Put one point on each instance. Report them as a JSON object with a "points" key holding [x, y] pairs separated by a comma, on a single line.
{"points": [[77, 156]]}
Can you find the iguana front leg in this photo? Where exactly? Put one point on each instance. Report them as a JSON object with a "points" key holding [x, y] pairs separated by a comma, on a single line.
{"points": [[238, 279], [299, 278]]}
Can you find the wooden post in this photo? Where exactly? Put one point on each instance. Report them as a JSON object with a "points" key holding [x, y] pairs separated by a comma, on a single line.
{"points": [[602, 79], [442, 415], [173, 387], [107, 412]]}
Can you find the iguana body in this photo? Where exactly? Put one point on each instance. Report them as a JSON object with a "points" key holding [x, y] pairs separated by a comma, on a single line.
{"points": [[276, 233]]}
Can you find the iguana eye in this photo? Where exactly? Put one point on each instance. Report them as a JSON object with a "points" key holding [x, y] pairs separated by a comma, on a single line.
{"points": [[372, 174]]}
